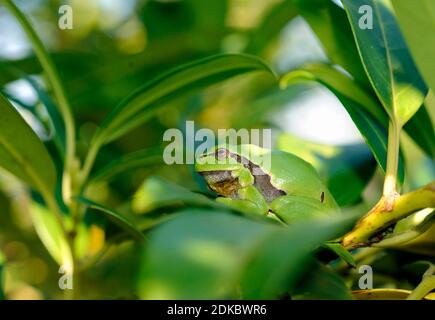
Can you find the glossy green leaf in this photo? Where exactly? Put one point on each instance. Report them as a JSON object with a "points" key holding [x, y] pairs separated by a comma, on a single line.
{"points": [[219, 255], [374, 134], [381, 294], [409, 229], [21, 151], [338, 83], [51, 75], [330, 24], [387, 60], [282, 257], [157, 193], [341, 252], [145, 101], [53, 114], [55, 126], [360, 106], [117, 218], [51, 234], [129, 162], [417, 22], [420, 128]]}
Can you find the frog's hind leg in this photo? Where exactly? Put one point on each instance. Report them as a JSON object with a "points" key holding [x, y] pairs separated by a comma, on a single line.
{"points": [[293, 208], [249, 200], [243, 206]]}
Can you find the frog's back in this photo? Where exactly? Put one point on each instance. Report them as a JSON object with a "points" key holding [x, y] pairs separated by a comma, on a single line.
{"points": [[288, 172], [293, 174]]}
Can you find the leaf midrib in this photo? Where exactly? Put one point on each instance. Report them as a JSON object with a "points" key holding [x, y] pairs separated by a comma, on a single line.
{"points": [[388, 57]]}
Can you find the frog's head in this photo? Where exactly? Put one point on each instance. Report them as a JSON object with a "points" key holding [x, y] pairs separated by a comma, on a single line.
{"points": [[221, 170]]}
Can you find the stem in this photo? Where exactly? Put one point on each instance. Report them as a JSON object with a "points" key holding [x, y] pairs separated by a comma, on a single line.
{"points": [[70, 168], [390, 182], [73, 268], [386, 213], [89, 161], [58, 90], [425, 286]]}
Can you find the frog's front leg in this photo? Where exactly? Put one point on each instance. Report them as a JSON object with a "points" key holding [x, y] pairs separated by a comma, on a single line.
{"points": [[292, 208], [250, 201]]}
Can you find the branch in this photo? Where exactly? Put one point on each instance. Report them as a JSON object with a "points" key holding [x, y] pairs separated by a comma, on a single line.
{"points": [[386, 212]]}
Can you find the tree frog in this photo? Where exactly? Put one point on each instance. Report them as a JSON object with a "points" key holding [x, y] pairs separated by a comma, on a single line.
{"points": [[252, 179]]}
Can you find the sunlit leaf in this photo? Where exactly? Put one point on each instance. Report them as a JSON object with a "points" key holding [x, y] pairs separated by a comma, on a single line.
{"points": [[21, 151], [339, 84], [381, 294], [386, 294], [145, 101], [417, 22], [48, 66], [360, 106], [218, 255], [51, 234], [330, 24], [387, 60], [280, 258], [53, 113], [421, 130], [409, 229], [156, 193]]}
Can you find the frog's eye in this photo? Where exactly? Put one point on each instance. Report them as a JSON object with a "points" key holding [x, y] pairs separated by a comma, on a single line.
{"points": [[221, 154]]}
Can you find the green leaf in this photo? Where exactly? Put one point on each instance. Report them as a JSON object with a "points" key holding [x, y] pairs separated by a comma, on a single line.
{"points": [[417, 22], [144, 102], [381, 294], [340, 251], [128, 162], [51, 75], [421, 130], [387, 60], [51, 234], [339, 84], [362, 108], [408, 229], [21, 151], [330, 24], [2, 265], [373, 133], [207, 248], [55, 118], [274, 21], [218, 256], [118, 219], [53, 114], [157, 193], [282, 257]]}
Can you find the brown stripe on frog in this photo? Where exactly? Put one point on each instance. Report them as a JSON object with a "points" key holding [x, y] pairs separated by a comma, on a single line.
{"points": [[262, 180]]}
